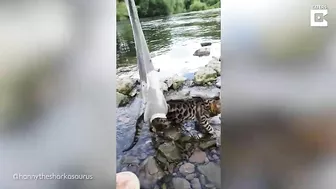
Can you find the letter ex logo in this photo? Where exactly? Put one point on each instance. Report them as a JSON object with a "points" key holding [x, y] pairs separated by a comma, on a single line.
{"points": [[317, 16]]}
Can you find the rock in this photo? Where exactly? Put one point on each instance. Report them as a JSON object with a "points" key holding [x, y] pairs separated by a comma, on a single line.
{"points": [[169, 82], [151, 166], [170, 151], [190, 176], [164, 86], [215, 120], [126, 69], [149, 172], [206, 160], [122, 99], [210, 186], [207, 144], [195, 183], [181, 183], [187, 168], [197, 157], [178, 81], [216, 65], [202, 179], [205, 75], [172, 134], [175, 82], [204, 51], [130, 160], [143, 156], [133, 168], [133, 93], [218, 82], [125, 85], [204, 44], [212, 172]]}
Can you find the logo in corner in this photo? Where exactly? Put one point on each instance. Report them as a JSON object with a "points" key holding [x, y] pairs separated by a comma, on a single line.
{"points": [[317, 16]]}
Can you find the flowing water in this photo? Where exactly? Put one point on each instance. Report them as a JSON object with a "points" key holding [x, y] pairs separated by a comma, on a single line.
{"points": [[172, 40]]}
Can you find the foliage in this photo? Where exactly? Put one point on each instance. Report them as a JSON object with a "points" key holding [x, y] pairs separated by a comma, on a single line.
{"points": [[198, 6], [152, 8], [121, 10]]}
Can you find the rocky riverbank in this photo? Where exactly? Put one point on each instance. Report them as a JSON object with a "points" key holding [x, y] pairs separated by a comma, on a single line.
{"points": [[128, 85], [201, 169]]}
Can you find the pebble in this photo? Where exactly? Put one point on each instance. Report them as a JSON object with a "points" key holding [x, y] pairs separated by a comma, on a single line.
{"points": [[187, 168], [195, 183], [143, 156], [212, 172], [197, 157], [210, 186], [181, 183], [190, 176], [213, 151], [215, 157], [202, 180], [206, 160]]}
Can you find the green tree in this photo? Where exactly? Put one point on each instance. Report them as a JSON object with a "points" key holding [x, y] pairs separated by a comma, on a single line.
{"points": [[152, 8]]}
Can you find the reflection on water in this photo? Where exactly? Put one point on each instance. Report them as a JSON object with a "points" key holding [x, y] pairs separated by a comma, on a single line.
{"points": [[164, 33]]}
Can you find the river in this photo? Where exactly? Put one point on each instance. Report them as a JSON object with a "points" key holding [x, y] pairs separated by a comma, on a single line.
{"points": [[172, 39]]}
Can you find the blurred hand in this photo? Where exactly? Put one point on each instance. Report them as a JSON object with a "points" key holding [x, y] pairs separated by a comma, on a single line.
{"points": [[127, 180]]}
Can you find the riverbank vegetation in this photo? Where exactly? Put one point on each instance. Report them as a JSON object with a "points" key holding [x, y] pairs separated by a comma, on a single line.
{"points": [[152, 8]]}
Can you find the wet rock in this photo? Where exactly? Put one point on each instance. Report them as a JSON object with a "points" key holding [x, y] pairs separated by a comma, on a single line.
{"points": [[143, 156], [197, 157], [187, 169], [206, 160], [205, 75], [125, 85], [215, 157], [122, 99], [216, 65], [126, 69], [195, 183], [204, 51], [215, 120], [164, 86], [207, 144], [133, 168], [214, 151], [190, 176], [133, 93], [204, 44], [181, 183], [175, 82], [202, 179], [172, 134], [130, 160], [170, 151], [124, 119], [218, 82], [212, 172], [178, 82], [210, 186], [149, 172]]}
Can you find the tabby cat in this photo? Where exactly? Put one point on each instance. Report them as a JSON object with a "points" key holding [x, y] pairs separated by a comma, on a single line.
{"points": [[179, 111]]}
